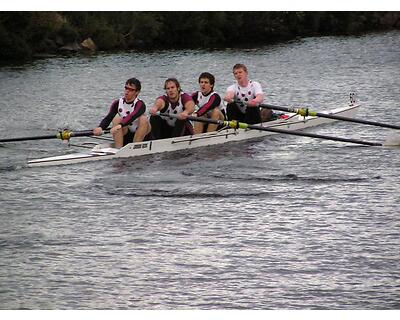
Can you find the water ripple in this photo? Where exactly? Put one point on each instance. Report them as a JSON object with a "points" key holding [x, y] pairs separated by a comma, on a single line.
{"points": [[277, 223]]}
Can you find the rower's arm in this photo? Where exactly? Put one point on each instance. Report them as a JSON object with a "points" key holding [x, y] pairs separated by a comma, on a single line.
{"points": [[229, 95], [157, 106], [213, 102], [259, 95], [256, 101], [139, 109], [188, 109], [107, 119], [112, 112]]}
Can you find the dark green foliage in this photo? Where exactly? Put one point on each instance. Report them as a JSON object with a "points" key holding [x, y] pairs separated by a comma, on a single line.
{"points": [[13, 47], [67, 34], [24, 34]]}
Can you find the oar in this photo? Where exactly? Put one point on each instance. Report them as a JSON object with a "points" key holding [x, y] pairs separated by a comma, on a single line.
{"points": [[306, 112], [63, 135], [235, 124]]}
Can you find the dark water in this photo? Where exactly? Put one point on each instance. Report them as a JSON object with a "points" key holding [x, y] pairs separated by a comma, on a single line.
{"points": [[279, 223]]}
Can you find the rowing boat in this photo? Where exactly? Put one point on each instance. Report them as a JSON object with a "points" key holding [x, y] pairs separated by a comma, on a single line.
{"points": [[105, 151]]}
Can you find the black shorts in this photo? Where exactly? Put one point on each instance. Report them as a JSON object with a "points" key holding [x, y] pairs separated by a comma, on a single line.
{"points": [[160, 129], [251, 116], [128, 138]]}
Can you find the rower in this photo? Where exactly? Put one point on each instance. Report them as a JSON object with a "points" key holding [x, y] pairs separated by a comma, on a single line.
{"points": [[244, 98], [209, 104], [127, 114], [176, 102]]}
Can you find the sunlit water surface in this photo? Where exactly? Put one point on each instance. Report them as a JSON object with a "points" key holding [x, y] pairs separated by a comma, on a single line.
{"points": [[277, 223]]}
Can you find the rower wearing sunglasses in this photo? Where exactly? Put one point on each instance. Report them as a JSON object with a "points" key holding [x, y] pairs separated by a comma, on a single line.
{"points": [[127, 115]]}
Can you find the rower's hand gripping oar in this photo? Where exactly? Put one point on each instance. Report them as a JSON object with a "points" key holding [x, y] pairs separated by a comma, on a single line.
{"points": [[240, 125], [62, 135], [306, 112]]}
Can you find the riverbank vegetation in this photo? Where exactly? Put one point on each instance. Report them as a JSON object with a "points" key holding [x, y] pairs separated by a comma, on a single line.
{"points": [[24, 35]]}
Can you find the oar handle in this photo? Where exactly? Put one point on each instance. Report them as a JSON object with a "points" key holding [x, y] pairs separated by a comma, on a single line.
{"points": [[86, 133]]}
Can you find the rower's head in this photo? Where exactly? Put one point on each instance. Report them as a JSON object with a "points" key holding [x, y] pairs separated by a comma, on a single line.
{"points": [[172, 88], [206, 82], [238, 66], [240, 73], [132, 89]]}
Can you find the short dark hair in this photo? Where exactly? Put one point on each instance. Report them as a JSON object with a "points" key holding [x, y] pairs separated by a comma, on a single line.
{"points": [[239, 66], [134, 82], [209, 76], [174, 80]]}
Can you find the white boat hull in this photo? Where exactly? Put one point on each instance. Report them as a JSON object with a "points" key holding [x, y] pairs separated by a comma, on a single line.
{"points": [[106, 152]]}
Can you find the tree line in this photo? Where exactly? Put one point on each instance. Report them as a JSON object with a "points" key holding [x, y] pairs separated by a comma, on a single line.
{"points": [[24, 35]]}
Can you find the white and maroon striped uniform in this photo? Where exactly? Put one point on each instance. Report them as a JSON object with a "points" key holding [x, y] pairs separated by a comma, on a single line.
{"points": [[206, 103], [174, 107], [128, 112]]}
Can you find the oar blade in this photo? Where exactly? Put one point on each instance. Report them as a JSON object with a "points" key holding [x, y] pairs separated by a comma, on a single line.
{"points": [[392, 141]]}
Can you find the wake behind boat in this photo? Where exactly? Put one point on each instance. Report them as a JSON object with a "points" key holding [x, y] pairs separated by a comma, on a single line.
{"points": [[288, 123]]}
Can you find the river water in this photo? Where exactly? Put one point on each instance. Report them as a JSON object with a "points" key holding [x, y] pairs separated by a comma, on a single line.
{"points": [[279, 223]]}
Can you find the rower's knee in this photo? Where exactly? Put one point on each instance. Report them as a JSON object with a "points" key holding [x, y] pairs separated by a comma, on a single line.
{"points": [[266, 115], [116, 121], [215, 114], [144, 123], [198, 127]]}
